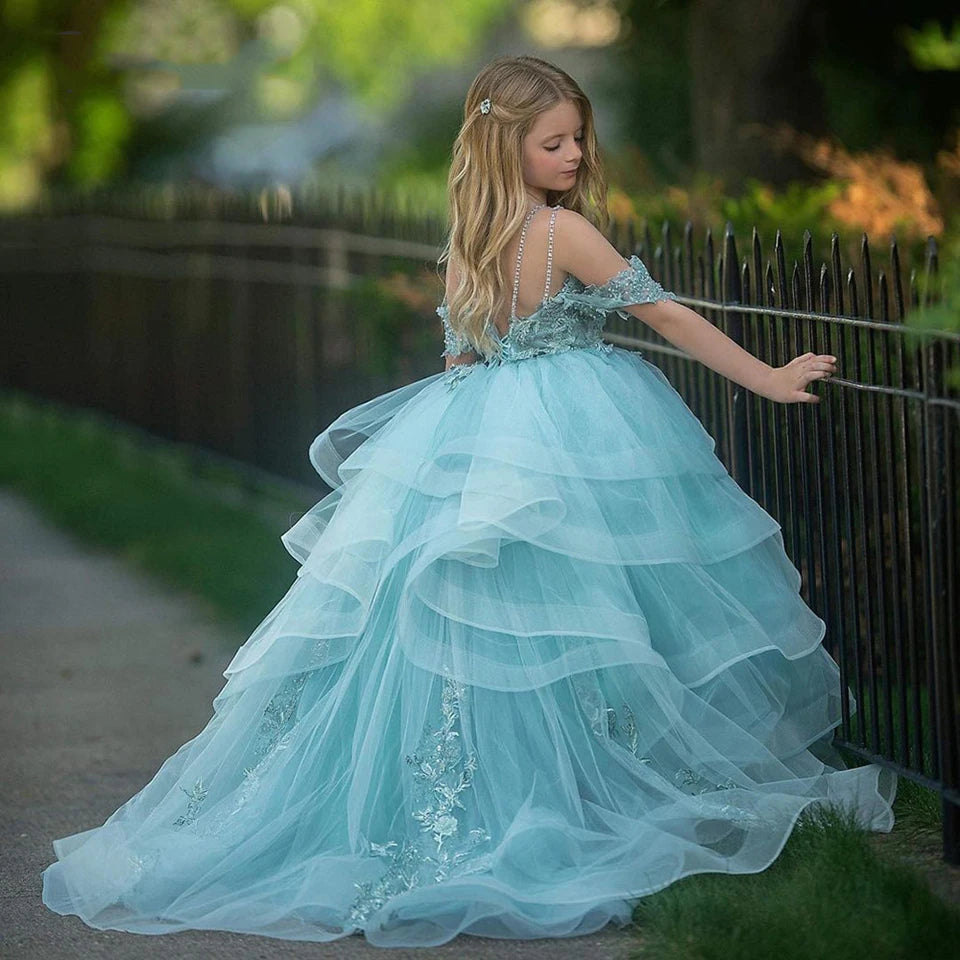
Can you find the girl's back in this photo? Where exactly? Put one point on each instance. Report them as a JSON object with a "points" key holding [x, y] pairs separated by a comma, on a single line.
{"points": [[529, 270]]}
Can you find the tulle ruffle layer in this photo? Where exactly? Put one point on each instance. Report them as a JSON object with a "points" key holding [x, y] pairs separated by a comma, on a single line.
{"points": [[537, 534], [542, 656], [400, 803]]}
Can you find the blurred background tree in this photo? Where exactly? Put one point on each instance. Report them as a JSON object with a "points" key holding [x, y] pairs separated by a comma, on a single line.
{"points": [[776, 113], [226, 91]]}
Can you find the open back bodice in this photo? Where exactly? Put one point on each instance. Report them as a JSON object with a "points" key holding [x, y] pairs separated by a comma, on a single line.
{"points": [[503, 325], [572, 317]]}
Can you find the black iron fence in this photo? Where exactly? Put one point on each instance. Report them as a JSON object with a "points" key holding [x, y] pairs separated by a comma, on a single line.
{"points": [[215, 328]]}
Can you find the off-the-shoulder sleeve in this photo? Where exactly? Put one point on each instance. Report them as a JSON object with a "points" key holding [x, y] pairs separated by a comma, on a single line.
{"points": [[631, 285], [453, 343]]}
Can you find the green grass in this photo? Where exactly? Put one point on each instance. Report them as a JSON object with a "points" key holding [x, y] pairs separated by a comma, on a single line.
{"points": [[828, 895], [918, 807], [203, 532]]}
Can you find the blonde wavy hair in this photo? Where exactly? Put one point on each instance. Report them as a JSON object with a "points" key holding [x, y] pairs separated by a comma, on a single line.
{"points": [[485, 189]]}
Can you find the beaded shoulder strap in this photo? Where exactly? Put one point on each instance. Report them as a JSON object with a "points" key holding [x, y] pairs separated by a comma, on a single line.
{"points": [[523, 235], [546, 286]]}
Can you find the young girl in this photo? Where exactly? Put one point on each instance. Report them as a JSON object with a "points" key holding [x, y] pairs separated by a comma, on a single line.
{"points": [[542, 656]]}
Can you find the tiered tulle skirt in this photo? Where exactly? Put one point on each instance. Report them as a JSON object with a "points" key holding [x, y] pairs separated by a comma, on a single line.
{"points": [[542, 656]]}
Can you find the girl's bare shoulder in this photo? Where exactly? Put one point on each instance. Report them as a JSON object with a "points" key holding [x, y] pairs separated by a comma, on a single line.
{"points": [[581, 249]]}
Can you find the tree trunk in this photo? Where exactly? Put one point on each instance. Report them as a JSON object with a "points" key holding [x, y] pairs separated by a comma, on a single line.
{"points": [[749, 62]]}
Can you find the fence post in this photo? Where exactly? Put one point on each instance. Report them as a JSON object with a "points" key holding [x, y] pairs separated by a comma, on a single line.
{"points": [[945, 715], [732, 293]]}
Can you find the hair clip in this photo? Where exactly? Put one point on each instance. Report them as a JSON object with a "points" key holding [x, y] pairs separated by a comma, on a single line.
{"points": [[485, 106]]}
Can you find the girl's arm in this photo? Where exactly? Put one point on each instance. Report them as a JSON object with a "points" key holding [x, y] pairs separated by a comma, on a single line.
{"points": [[583, 250]]}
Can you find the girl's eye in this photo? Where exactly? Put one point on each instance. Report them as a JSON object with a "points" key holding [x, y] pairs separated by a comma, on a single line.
{"points": [[557, 147]]}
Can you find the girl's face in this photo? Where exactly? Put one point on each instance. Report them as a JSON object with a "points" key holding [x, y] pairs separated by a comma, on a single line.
{"points": [[551, 150]]}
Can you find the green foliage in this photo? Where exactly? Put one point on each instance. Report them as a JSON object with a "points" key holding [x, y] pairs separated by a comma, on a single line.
{"points": [[931, 47], [24, 105], [377, 49], [793, 210], [102, 129], [26, 127], [799, 207], [943, 290], [115, 77]]}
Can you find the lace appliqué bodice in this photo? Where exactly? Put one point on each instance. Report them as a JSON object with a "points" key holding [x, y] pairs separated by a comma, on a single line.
{"points": [[573, 318]]}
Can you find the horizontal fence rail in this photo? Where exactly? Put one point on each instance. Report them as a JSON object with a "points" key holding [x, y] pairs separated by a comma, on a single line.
{"points": [[246, 338]]}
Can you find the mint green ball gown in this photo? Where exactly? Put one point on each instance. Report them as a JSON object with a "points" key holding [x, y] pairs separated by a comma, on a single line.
{"points": [[542, 657]]}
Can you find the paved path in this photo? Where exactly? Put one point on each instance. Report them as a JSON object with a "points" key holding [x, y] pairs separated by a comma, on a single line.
{"points": [[105, 673]]}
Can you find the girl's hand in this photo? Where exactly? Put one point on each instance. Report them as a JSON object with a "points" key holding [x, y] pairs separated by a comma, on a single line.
{"points": [[786, 384]]}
